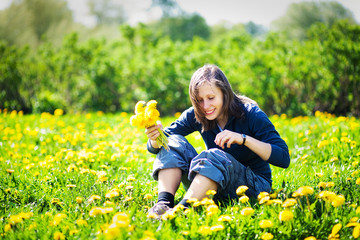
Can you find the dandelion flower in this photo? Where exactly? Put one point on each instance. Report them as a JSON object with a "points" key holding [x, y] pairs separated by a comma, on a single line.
{"points": [[267, 236], [263, 195], [335, 230], [224, 218], [211, 210], [356, 232], [148, 196], [95, 211], [247, 211], [121, 219], [217, 228], [303, 191], [266, 223], [338, 201], [204, 230], [289, 202], [210, 192], [286, 215], [244, 199], [79, 200], [81, 222], [241, 190], [139, 107], [358, 181], [59, 236]]}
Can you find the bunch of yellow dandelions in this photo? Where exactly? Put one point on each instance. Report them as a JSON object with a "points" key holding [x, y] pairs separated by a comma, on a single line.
{"points": [[147, 115]]}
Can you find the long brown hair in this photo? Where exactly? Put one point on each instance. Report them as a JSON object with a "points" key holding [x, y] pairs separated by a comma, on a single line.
{"points": [[231, 103]]}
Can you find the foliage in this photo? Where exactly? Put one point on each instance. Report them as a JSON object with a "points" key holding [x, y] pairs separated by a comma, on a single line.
{"points": [[283, 76], [29, 21], [301, 16], [183, 28], [88, 175]]}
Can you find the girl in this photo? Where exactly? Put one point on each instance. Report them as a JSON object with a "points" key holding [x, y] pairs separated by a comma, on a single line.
{"points": [[241, 142]]}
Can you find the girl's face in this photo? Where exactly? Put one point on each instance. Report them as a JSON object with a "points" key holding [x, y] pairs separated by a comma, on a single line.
{"points": [[210, 98]]}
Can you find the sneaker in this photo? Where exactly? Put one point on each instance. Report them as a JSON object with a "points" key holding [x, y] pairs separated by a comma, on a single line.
{"points": [[158, 209]]}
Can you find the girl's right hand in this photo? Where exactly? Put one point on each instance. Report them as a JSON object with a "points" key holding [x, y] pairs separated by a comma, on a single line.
{"points": [[153, 133]]}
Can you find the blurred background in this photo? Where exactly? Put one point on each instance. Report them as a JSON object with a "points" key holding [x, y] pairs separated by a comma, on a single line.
{"points": [[292, 57]]}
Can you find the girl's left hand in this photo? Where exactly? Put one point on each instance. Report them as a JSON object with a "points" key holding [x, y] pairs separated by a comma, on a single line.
{"points": [[228, 137]]}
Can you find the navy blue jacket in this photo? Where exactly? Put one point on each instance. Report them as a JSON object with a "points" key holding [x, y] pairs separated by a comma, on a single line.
{"points": [[255, 124]]}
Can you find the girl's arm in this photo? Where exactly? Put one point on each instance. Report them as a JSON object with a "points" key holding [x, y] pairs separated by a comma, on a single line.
{"points": [[262, 149]]}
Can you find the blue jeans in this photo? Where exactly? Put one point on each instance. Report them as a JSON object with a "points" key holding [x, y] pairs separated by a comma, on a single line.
{"points": [[214, 163]]}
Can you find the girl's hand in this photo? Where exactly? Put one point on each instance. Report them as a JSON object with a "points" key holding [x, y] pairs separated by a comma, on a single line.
{"points": [[228, 137], [153, 133]]}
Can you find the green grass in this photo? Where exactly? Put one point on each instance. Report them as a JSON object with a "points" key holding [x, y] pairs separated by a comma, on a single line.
{"points": [[47, 161]]}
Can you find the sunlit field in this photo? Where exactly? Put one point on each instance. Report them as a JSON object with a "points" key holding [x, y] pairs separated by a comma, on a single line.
{"points": [[88, 176]]}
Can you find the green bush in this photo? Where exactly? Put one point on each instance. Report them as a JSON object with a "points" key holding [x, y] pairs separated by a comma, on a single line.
{"points": [[282, 75]]}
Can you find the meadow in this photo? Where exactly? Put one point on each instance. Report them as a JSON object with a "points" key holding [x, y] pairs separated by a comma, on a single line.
{"points": [[88, 176]]}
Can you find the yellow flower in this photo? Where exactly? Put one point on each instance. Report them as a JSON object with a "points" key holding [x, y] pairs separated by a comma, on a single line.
{"points": [[112, 193], [356, 232], [108, 203], [336, 228], [327, 196], [241, 190], [178, 207], [211, 210], [59, 235], [168, 215], [338, 201], [7, 227], [95, 211], [247, 211], [112, 231], [244, 199], [286, 215], [10, 170], [204, 230], [267, 236], [58, 112], [224, 218], [79, 200], [358, 181], [151, 104], [216, 228], [81, 222], [192, 200], [289, 202], [131, 178], [303, 191], [185, 233], [94, 197], [310, 238], [152, 115], [148, 196], [263, 195], [139, 107], [73, 232], [207, 201], [210, 192], [15, 219], [121, 219], [266, 223]]}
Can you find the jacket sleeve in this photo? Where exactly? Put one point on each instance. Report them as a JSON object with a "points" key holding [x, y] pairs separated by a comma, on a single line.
{"points": [[263, 130]]}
